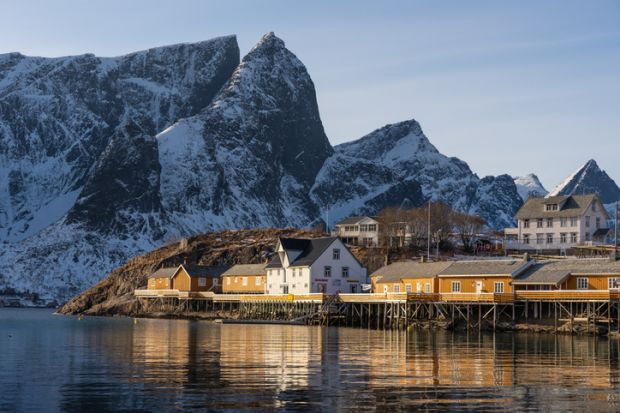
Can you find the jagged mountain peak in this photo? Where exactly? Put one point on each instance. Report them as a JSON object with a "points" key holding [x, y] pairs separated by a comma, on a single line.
{"points": [[269, 40], [587, 179], [529, 185]]}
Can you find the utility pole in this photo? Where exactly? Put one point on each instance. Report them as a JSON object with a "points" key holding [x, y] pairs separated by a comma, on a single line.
{"points": [[616, 233], [428, 237], [327, 219]]}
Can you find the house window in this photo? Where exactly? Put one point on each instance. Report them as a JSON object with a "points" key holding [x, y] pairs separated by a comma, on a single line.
{"points": [[202, 282], [526, 223], [385, 288], [549, 222], [408, 288], [418, 287], [345, 272], [427, 288], [598, 222], [563, 238], [582, 283], [539, 223], [549, 238], [540, 238], [563, 222], [372, 227], [551, 207], [573, 221], [327, 271], [396, 288], [153, 282], [306, 285], [587, 236], [336, 254], [587, 222], [573, 237], [227, 280], [236, 280], [456, 286], [257, 281], [526, 238], [498, 287], [613, 283], [215, 281], [244, 281]]}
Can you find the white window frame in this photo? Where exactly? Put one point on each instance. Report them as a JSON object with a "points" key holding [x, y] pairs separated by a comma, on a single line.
{"points": [[498, 287], [581, 280], [345, 272], [456, 284], [336, 254], [257, 281], [202, 281], [427, 288], [215, 282], [396, 288], [408, 288], [613, 283], [327, 271]]}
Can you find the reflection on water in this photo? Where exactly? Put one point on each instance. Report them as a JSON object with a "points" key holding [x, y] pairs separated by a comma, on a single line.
{"points": [[53, 363]]}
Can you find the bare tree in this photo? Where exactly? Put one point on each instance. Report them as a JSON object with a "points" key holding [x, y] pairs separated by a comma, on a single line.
{"points": [[467, 227], [392, 226]]}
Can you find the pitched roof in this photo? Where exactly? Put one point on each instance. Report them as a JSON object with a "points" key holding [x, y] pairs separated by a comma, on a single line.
{"points": [[166, 272], [311, 249], [543, 273], [484, 267], [569, 206], [354, 220], [211, 271], [555, 271], [246, 269], [410, 269]]}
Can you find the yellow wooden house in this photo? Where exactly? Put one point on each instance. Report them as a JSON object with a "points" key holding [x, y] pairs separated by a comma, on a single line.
{"points": [[245, 279]]}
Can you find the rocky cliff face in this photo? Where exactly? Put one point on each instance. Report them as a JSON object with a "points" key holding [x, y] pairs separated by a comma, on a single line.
{"points": [[102, 159], [588, 179], [58, 115]]}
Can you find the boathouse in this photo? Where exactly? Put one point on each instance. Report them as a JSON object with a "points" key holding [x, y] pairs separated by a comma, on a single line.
{"points": [[245, 279], [482, 276], [161, 279], [408, 277], [198, 278]]}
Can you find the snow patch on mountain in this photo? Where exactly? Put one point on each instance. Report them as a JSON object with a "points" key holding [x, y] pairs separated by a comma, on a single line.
{"points": [[588, 179], [528, 186]]}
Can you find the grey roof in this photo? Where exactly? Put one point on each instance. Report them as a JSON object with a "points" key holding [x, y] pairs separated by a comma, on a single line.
{"points": [[543, 273], [166, 272], [410, 269], [555, 271], [601, 232], [211, 271], [569, 206], [484, 267], [311, 249], [246, 269], [354, 220]]}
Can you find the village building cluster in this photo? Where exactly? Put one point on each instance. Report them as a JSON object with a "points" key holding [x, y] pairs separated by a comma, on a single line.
{"points": [[302, 266]]}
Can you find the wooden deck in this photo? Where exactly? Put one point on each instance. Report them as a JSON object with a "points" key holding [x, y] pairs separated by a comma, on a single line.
{"points": [[492, 298]]}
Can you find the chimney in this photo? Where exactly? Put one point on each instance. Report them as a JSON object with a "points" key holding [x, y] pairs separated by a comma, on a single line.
{"points": [[526, 256]]}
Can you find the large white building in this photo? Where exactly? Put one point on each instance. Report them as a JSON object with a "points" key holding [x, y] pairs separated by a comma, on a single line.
{"points": [[319, 265], [558, 223], [358, 231]]}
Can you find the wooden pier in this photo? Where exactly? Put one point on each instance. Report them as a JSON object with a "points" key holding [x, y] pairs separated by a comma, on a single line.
{"points": [[470, 311]]}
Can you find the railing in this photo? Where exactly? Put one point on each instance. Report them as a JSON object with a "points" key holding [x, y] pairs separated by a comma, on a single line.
{"points": [[478, 297], [161, 293], [567, 295], [373, 297]]}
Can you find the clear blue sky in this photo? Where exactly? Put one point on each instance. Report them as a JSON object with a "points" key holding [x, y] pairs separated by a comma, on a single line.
{"points": [[509, 87]]}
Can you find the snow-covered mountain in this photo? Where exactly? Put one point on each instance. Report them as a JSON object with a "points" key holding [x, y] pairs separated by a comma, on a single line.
{"points": [[102, 159], [529, 185], [398, 163], [589, 179]]}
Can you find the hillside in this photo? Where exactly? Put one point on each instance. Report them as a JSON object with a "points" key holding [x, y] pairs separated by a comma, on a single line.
{"points": [[114, 294]]}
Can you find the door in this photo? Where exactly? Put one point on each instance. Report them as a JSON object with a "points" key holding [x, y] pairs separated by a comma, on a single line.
{"points": [[353, 289], [478, 287], [321, 287], [285, 289]]}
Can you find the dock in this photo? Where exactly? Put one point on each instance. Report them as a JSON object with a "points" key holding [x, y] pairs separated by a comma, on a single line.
{"points": [[400, 310]]}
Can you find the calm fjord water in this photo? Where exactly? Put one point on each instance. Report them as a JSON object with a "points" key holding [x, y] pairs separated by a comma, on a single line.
{"points": [[53, 363]]}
